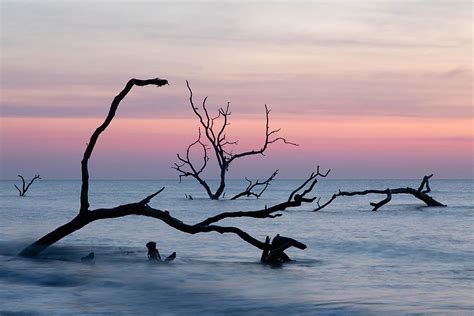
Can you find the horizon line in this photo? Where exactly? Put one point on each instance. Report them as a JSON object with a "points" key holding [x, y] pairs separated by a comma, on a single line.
{"points": [[238, 179]]}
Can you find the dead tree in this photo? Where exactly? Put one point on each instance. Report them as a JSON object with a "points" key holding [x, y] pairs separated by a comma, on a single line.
{"points": [[421, 193], [249, 190], [215, 134], [86, 216], [25, 187]]}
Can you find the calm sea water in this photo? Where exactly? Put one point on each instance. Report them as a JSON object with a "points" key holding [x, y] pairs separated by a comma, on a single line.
{"points": [[404, 259]]}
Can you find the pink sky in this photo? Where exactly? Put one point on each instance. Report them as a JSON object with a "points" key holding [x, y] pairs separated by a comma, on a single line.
{"points": [[370, 89]]}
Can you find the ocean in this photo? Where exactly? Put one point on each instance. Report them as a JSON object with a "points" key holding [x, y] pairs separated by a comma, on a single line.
{"points": [[404, 259]]}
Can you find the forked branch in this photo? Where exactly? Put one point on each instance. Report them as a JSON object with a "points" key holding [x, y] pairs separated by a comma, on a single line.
{"points": [[186, 168], [296, 198], [250, 189], [270, 138], [25, 186]]}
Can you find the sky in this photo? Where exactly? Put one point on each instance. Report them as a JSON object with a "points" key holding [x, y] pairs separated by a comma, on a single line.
{"points": [[369, 89]]}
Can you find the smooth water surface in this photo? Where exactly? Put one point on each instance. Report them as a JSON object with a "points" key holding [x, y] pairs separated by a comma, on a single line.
{"points": [[404, 259]]}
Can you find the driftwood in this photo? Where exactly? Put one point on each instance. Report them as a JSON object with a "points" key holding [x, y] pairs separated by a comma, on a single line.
{"points": [[154, 254], [142, 208], [250, 189], [215, 134], [275, 253], [25, 187], [421, 193]]}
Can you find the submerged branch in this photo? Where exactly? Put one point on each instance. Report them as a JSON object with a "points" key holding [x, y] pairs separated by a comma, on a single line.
{"points": [[297, 198], [420, 193], [143, 209], [249, 190]]}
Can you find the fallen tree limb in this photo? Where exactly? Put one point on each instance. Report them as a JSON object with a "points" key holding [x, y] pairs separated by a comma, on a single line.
{"points": [[142, 208], [250, 189], [420, 193]]}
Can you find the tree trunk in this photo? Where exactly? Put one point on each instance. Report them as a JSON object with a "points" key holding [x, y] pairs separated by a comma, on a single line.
{"points": [[59, 233]]}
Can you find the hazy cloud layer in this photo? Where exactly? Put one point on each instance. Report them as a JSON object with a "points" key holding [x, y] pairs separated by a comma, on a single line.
{"points": [[369, 88], [338, 57]]}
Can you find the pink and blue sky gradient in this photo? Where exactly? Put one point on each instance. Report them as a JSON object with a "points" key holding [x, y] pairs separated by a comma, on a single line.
{"points": [[371, 89]]}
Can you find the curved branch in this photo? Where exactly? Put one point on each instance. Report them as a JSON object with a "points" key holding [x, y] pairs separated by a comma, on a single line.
{"points": [[23, 184], [192, 171], [95, 136], [187, 161]]}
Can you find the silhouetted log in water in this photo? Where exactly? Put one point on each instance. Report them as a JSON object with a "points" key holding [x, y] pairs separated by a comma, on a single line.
{"points": [[275, 253], [25, 187], [154, 254], [421, 193], [86, 216]]}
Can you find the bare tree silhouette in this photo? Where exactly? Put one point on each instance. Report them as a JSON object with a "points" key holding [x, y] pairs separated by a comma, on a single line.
{"points": [[25, 187], [86, 216], [215, 134]]}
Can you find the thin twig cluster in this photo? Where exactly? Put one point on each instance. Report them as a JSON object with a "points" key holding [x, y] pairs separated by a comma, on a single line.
{"points": [[214, 130]]}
